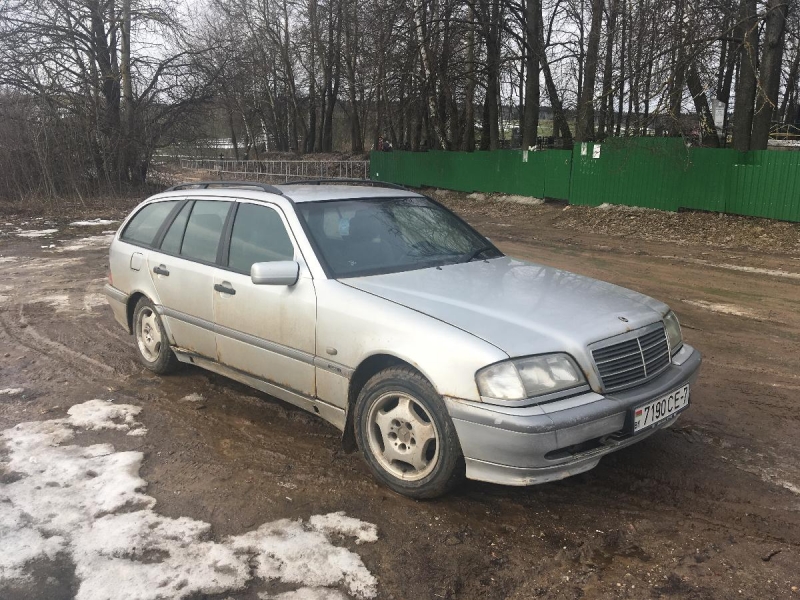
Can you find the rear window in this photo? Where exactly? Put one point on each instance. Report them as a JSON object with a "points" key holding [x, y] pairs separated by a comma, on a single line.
{"points": [[144, 225]]}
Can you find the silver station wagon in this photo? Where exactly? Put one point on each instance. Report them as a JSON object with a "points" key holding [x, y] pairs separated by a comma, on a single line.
{"points": [[390, 317]]}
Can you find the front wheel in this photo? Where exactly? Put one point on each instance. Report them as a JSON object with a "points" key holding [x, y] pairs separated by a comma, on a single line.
{"points": [[407, 437], [151, 339]]}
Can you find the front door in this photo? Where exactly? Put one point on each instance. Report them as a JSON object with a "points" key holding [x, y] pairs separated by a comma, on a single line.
{"points": [[183, 274], [265, 330]]}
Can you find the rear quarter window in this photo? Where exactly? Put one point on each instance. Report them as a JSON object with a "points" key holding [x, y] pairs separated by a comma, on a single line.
{"points": [[144, 225]]}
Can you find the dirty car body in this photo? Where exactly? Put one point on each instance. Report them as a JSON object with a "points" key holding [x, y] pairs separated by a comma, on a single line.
{"points": [[390, 317]]}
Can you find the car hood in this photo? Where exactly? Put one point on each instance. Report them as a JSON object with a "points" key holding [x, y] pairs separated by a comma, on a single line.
{"points": [[520, 307]]}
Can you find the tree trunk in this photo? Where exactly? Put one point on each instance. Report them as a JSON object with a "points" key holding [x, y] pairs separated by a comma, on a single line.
{"points": [[790, 97], [427, 72], [622, 68], [678, 73], [128, 151], [234, 142], [351, 41], [747, 33], [708, 132], [560, 125], [468, 140], [606, 103], [530, 129], [769, 79], [584, 126], [493, 50], [311, 132]]}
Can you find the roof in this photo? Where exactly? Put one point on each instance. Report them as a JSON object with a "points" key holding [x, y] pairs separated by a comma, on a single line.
{"points": [[316, 193], [313, 191]]}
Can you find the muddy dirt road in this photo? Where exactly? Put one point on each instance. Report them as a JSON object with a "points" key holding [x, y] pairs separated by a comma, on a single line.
{"points": [[709, 508]]}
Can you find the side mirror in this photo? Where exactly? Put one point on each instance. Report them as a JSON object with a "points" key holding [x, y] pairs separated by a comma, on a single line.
{"points": [[282, 272]]}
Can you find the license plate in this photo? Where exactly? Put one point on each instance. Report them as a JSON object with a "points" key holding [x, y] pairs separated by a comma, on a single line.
{"points": [[662, 408]]}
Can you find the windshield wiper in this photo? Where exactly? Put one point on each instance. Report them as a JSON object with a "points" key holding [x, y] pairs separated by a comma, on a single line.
{"points": [[477, 253]]}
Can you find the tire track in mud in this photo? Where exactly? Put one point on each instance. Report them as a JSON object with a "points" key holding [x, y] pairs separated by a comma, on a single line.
{"points": [[37, 342]]}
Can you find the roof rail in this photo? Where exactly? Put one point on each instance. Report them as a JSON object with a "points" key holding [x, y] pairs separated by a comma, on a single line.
{"points": [[205, 185], [370, 182]]}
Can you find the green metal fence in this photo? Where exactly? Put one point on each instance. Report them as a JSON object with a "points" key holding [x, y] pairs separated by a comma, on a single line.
{"points": [[539, 174], [651, 172]]}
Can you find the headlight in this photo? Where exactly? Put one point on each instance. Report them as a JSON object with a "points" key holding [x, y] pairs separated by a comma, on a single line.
{"points": [[527, 377], [673, 329]]}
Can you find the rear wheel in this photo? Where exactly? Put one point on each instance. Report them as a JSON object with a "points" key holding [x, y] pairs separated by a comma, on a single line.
{"points": [[152, 344], [406, 435]]}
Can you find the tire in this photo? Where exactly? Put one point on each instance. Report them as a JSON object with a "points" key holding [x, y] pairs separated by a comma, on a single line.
{"points": [[152, 344], [406, 435]]}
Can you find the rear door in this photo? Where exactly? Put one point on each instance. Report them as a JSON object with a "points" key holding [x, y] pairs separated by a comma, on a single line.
{"points": [[183, 273], [265, 330], [127, 256]]}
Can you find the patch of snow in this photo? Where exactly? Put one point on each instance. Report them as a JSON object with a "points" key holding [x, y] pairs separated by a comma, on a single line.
{"points": [[476, 196], [87, 503], [725, 309], [11, 391], [340, 523], [100, 414], [288, 551], [306, 593], [21, 543], [789, 486], [623, 207], [93, 241], [195, 397], [522, 200], [36, 265], [34, 233], [58, 301], [743, 268], [92, 222], [7, 259], [93, 299]]}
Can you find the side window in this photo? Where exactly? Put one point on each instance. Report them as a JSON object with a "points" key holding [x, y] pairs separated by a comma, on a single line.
{"points": [[204, 229], [144, 225], [258, 236], [174, 237]]}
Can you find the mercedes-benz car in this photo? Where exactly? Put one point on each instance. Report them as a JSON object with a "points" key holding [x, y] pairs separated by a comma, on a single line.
{"points": [[386, 314]]}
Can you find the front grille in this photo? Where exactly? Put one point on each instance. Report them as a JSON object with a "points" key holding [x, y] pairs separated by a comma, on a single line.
{"points": [[633, 361]]}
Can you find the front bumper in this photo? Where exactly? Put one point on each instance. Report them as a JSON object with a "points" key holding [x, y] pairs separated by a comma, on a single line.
{"points": [[536, 444]]}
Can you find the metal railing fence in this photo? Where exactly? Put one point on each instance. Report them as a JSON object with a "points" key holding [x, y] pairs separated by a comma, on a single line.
{"points": [[276, 170]]}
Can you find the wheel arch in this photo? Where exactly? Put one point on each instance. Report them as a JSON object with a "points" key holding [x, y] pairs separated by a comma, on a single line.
{"points": [[133, 300], [368, 367], [130, 308]]}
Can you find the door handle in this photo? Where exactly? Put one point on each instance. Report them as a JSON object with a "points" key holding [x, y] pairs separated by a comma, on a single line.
{"points": [[224, 288], [161, 270]]}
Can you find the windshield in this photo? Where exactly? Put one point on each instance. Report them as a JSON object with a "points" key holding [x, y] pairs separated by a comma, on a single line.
{"points": [[371, 236]]}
